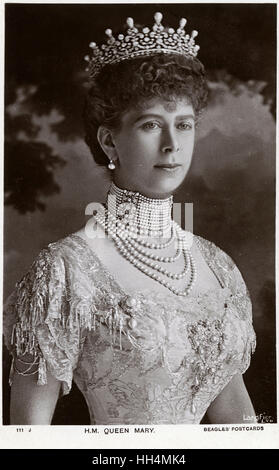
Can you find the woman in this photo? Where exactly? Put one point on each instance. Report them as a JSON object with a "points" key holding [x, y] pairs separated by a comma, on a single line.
{"points": [[153, 323]]}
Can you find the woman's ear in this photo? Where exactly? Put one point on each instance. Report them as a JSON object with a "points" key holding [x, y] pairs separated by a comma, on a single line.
{"points": [[105, 139]]}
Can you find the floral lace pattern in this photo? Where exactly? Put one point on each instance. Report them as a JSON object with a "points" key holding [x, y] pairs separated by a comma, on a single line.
{"points": [[138, 358]]}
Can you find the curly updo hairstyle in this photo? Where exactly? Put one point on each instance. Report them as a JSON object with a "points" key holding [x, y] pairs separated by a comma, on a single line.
{"points": [[131, 83]]}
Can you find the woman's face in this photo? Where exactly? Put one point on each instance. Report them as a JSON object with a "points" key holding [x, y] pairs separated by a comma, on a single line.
{"points": [[154, 147]]}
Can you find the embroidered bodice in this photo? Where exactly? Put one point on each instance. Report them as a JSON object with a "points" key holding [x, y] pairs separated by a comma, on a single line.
{"points": [[139, 357]]}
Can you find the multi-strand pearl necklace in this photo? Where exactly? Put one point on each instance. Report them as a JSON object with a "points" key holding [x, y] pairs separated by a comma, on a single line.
{"points": [[129, 217]]}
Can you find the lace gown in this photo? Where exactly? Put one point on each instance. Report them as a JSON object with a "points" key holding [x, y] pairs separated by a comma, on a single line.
{"points": [[139, 357]]}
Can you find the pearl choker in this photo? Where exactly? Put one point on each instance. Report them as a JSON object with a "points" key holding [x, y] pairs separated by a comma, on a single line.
{"points": [[140, 214]]}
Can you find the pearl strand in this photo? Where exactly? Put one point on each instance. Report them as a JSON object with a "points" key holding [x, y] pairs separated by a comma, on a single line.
{"points": [[121, 244], [144, 257], [143, 260], [135, 242], [163, 259], [136, 238]]}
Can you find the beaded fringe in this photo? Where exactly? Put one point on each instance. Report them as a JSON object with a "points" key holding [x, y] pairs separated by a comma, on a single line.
{"points": [[31, 313]]}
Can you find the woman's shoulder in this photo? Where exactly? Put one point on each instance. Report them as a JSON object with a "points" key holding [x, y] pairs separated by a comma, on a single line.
{"points": [[56, 278], [53, 263], [222, 264], [214, 253], [47, 309], [68, 251], [66, 245]]}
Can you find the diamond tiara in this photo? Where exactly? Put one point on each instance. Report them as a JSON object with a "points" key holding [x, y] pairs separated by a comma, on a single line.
{"points": [[136, 43]]}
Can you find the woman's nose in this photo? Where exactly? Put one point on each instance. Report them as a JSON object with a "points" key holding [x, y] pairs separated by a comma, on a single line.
{"points": [[169, 142]]}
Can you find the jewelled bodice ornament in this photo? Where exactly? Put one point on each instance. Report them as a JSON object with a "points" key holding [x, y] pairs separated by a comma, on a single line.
{"points": [[138, 357]]}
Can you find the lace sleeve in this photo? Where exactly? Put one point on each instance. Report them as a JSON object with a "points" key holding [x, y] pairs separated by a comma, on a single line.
{"points": [[38, 329]]}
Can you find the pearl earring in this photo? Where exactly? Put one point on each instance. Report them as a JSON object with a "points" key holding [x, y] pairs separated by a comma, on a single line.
{"points": [[111, 165]]}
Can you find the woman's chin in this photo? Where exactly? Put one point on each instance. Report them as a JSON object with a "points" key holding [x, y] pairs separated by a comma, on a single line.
{"points": [[159, 186], [162, 190], [166, 185]]}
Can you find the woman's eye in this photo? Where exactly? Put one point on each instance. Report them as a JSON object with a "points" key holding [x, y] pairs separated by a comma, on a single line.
{"points": [[185, 126], [150, 125]]}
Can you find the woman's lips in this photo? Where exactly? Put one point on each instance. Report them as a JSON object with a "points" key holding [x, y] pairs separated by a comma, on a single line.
{"points": [[171, 168]]}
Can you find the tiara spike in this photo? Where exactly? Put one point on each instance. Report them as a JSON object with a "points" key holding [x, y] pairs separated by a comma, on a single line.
{"points": [[142, 42], [182, 23], [108, 32], [130, 22], [158, 17]]}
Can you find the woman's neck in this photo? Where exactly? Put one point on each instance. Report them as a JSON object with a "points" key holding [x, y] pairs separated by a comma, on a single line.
{"points": [[140, 214]]}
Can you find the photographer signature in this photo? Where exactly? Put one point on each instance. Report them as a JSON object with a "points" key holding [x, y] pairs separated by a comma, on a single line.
{"points": [[260, 418]]}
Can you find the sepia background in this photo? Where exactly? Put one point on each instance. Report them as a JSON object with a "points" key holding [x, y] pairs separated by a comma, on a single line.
{"points": [[50, 175]]}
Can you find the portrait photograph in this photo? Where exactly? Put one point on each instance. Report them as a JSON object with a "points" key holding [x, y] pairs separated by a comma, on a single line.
{"points": [[139, 219]]}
